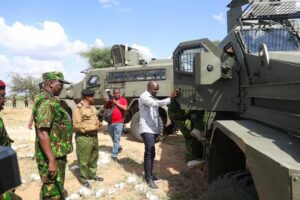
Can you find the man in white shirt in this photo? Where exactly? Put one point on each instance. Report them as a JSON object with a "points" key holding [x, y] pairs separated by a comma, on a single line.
{"points": [[149, 126]]}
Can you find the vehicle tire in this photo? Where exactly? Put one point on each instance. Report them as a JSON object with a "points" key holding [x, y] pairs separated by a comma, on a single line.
{"points": [[233, 185], [134, 128]]}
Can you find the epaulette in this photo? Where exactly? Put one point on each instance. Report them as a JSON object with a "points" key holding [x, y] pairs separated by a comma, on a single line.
{"points": [[80, 105]]}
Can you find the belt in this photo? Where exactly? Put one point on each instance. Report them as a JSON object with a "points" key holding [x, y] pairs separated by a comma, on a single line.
{"points": [[92, 134], [64, 158]]}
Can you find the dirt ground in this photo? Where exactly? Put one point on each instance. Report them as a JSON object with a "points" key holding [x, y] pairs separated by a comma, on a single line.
{"points": [[123, 180]]}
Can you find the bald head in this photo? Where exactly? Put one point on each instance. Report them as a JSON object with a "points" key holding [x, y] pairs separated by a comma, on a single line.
{"points": [[153, 88], [116, 93]]}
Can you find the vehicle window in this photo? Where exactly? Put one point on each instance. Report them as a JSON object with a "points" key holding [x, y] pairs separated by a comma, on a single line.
{"points": [[116, 77], [275, 39], [135, 75], [186, 61], [93, 81], [159, 74]]}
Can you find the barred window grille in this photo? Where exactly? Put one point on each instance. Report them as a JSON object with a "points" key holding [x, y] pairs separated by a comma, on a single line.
{"points": [[140, 75], [159, 74], [275, 39], [135, 75], [187, 59], [116, 76]]}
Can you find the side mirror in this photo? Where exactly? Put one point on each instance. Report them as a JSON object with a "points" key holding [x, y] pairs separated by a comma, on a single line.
{"points": [[207, 68], [264, 55]]}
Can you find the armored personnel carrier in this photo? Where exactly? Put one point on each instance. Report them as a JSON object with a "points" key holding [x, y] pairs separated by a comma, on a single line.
{"points": [[131, 74], [249, 87]]}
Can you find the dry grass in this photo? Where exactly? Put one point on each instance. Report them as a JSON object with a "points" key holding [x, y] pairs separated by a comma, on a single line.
{"points": [[178, 181]]}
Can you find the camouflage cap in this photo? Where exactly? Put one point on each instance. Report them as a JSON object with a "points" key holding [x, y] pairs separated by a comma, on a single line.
{"points": [[48, 76]]}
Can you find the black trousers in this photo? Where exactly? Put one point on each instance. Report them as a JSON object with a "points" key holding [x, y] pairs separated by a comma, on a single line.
{"points": [[149, 155]]}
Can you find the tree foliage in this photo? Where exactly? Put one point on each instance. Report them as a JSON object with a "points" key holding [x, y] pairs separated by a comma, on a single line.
{"points": [[28, 84], [97, 57], [217, 42]]}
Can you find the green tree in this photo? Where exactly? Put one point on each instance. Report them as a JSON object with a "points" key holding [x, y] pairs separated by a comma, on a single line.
{"points": [[217, 42], [97, 57], [28, 84]]}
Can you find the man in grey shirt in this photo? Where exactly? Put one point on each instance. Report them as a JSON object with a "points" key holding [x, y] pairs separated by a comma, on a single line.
{"points": [[149, 126]]}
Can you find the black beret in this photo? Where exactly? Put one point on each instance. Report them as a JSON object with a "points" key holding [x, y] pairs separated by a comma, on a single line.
{"points": [[87, 92]]}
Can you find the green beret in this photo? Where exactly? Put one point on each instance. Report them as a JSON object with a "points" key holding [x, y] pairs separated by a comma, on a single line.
{"points": [[49, 76]]}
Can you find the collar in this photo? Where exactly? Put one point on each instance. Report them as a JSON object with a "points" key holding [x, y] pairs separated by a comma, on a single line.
{"points": [[49, 95], [150, 95], [82, 103]]}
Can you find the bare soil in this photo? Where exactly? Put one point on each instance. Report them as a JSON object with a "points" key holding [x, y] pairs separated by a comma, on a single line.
{"points": [[178, 182]]}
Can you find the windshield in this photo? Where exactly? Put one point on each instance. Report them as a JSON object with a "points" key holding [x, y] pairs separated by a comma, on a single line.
{"points": [[276, 39]]}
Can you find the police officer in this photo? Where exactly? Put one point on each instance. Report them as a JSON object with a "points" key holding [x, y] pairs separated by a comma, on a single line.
{"points": [[4, 138], [86, 125], [54, 136]]}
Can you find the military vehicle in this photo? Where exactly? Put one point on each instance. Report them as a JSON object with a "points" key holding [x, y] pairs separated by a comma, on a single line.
{"points": [[131, 74], [249, 87]]}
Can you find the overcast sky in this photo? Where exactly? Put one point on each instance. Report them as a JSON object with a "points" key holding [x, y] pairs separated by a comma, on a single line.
{"points": [[38, 36]]}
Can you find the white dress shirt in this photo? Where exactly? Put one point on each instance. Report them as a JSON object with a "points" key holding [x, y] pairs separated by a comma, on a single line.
{"points": [[149, 115]]}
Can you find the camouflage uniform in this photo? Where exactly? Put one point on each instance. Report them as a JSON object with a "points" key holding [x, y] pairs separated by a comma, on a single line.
{"points": [[5, 141], [14, 102], [185, 123], [4, 138], [47, 113], [86, 126]]}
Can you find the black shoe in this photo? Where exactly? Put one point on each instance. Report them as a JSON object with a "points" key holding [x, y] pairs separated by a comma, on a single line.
{"points": [[115, 159], [152, 185], [156, 179], [120, 149], [97, 178], [87, 185]]}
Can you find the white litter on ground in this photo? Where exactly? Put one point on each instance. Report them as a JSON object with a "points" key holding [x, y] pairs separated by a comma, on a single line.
{"points": [[100, 193], [28, 155], [111, 191], [34, 177], [103, 158], [195, 163], [141, 188], [85, 192], [120, 186], [75, 167], [73, 196], [131, 180], [20, 146], [151, 196]]}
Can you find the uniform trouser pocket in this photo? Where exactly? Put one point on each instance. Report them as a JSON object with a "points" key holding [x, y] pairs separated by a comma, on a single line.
{"points": [[52, 188], [87, 154]]}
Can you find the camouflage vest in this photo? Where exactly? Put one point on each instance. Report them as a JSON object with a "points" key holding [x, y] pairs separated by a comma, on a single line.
{"points": [[47, 113]]}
